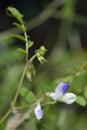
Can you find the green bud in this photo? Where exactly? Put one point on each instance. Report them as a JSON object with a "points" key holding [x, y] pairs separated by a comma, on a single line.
{"points": [[30, 71], [43, 50], [41, 59], [40, 54]]}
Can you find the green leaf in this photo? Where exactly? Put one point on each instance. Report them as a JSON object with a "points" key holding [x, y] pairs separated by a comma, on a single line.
{"points": [[79, 82], [21, 50], [19, 26], [85, 92], [20, 37], [30, 43], [81, 100], [27, 94], [14, 12]]}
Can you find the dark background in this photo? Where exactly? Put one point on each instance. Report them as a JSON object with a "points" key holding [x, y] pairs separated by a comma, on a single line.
{"points": [[31, 8]]}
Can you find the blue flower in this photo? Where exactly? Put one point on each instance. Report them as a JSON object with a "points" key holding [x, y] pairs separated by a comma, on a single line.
{"points": [[61, 94], [38, 111]]}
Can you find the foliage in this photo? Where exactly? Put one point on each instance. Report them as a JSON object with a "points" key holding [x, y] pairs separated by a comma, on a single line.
{"points": [[29, 93]]}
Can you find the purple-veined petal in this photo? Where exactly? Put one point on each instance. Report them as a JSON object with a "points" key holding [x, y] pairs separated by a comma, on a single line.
{"points": [[38, 111], [68, 98], [61, 89]]}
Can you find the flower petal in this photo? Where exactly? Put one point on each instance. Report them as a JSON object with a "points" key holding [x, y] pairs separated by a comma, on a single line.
{"points": [[52, 95], [68, 98], [61, 89], [38, 111]]}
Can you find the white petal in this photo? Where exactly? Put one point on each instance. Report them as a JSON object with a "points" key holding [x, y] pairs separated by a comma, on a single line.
{"points": [[52, 95], [61, 89], [58, 92], [38, 111], [68, 98], [38, 106]]}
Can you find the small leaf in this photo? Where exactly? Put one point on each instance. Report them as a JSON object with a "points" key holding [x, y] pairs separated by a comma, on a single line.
{"points": [[30, 43], [14, 12], [79, 82], [85, 92], [27, 94], [21, 50], [81, 100], [20, 37], [19, 26]]}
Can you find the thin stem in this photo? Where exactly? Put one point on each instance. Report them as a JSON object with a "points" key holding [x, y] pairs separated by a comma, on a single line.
{"points": [[24, 72], [41, 98], [31, 59], [5, 116], [26, 41], [17, 93], [20, 84], [22, 107], [21, 80]]}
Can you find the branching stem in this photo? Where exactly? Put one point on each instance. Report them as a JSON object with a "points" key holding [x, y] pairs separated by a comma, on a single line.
{"points": [[5, 116]]}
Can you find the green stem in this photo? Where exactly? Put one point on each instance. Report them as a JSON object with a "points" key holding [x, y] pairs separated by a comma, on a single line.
{"points": [[26, 41], [24, 72], [5, 116], [17, 92], [20, 84], [21, 80]]}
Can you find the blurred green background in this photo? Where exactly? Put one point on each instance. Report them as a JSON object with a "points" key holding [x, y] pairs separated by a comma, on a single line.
{"points": [[61, 26]]}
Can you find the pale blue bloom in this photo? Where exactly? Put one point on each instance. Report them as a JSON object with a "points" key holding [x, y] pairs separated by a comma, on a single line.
{"points": [[60, 94], [38, 111]]}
